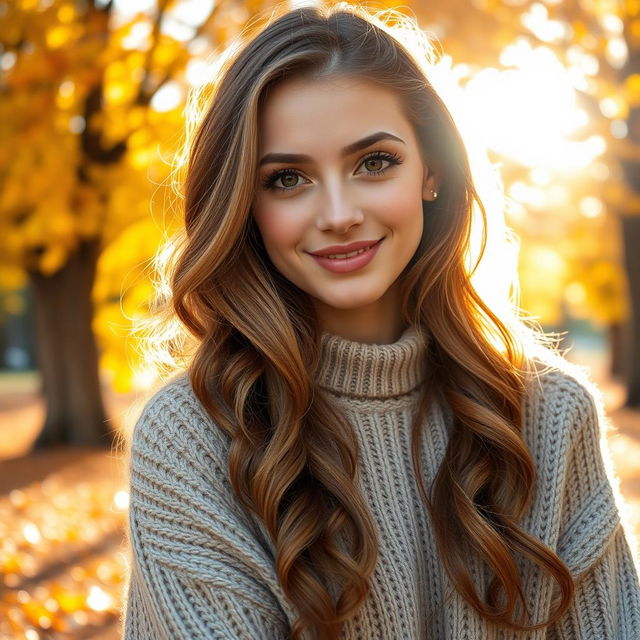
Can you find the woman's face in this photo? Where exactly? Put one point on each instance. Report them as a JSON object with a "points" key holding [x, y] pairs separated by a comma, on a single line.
{"points": [[357, 176]]}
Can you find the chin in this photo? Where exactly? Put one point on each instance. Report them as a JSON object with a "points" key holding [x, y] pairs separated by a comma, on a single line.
{"points": [[349, 302]]}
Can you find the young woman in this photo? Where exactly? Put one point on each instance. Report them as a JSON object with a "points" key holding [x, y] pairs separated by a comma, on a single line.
{"points": [[361, 446]]}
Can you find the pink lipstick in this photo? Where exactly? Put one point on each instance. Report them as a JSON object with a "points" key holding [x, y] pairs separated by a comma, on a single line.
{"points": [[347, 264]]}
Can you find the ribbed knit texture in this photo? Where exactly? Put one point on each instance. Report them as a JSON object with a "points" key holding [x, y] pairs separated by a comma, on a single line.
{"points": [[202, 568]]}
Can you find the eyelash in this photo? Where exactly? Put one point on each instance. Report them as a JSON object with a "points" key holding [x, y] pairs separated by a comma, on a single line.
{"points": [[393, 158]]}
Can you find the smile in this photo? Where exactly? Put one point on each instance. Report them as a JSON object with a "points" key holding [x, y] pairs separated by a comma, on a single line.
{"points": [[347, 262], [347, 255]]}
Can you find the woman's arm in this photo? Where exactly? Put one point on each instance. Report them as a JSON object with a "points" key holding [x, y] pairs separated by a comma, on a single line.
{"points": [[606, 605], [198, 571], [592, 540]]}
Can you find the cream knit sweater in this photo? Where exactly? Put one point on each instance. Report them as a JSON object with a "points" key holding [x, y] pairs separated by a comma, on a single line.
{"points": [[201, 568]]}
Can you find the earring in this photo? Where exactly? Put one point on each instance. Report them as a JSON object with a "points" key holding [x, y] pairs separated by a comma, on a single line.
{"points": [[434, 194]]}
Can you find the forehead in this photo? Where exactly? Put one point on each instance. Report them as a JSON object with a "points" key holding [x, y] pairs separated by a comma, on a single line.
{"points": [[321, 113]]}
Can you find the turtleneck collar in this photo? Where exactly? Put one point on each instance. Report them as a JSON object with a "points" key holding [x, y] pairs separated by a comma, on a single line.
{"points": [[364, 370]]}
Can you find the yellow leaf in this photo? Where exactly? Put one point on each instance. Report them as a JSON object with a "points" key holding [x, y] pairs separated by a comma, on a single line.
{"points": [[632, 88], [12, 278], [66, 13], [57, 36], [62, 226], [33, 231], [632, 7], [579, 30], [52, 260], [119, 92]]}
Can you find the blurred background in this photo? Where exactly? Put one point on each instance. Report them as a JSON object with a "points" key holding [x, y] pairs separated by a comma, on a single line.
{"points": [[92, 101]]}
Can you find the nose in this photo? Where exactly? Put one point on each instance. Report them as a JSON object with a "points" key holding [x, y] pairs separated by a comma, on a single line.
{"points": [[337, 212]]}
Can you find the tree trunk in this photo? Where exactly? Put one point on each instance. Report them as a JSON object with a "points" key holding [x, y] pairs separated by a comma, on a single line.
{"points": [[67, 354], [617, 350], [631, 220], [631, 238]]}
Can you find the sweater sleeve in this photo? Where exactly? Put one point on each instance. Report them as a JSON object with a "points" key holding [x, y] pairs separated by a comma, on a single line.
{"points": [[592, 538], [198, 571]]}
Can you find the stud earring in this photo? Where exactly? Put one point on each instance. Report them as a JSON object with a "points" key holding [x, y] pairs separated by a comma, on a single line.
{"points": [[434, 194]]}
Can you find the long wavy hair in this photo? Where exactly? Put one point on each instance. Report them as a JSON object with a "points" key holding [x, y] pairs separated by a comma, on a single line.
{"points": [[293, 456]]}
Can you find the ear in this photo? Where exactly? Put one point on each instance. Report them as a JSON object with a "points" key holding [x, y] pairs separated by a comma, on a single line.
{"points": [[430, 183]]}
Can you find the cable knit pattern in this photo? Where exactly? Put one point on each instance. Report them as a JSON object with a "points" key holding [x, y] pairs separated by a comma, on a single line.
{"points": [[203, 568]]}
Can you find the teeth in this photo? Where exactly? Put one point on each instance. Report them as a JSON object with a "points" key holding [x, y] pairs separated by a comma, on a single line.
{"points": [[347, 255]]}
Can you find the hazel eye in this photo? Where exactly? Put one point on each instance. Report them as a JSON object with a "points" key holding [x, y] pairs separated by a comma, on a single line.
{"points": [[380, 157], [370, 161], [288, 178]]}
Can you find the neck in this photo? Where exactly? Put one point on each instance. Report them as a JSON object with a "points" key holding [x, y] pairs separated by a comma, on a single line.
{"points": [[379, 322]]}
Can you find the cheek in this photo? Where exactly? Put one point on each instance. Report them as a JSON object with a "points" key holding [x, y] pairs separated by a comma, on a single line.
{"points": [[280, 227], [401, 207]]}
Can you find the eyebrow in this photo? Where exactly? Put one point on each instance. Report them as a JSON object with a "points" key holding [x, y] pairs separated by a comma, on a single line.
{"points": [[346, 151]]}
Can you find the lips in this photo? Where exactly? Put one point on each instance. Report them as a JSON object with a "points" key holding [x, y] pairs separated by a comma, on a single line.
{"points": [[350, 264], [337, 249]]}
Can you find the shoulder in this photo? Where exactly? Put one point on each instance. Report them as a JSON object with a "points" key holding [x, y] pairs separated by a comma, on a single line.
{"points": [[562, 400], [175, 398], [174, 428], [564, 420]]}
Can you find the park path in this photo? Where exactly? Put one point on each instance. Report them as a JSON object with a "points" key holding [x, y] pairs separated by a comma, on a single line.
{"points": [[62, 518]]}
